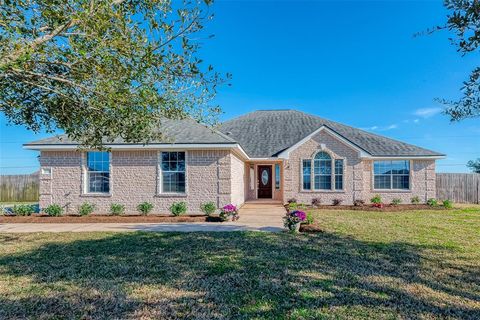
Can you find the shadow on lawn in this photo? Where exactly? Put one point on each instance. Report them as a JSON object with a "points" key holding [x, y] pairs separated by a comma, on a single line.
{"points": [[233, 275]]}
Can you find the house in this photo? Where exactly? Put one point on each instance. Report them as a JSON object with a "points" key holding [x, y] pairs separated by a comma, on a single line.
{"points": [[272, 154]]}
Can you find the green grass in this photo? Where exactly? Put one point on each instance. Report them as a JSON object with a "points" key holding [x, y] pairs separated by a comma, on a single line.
{"points": [[366, 265]]}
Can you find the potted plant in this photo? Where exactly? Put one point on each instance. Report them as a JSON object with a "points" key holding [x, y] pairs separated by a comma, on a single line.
{"points": [[293, 220], [229, 213]]}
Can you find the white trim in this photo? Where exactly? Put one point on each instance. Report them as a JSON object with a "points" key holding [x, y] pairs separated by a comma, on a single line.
{"points": [[160, 192], [86, 182], [138, 146], [405, 157], [410, 178], [286, 153]]}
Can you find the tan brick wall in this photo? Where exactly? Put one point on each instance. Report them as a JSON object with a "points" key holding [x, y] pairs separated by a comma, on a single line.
{"points": [[134, 180], [357, 179], [237, 180]]}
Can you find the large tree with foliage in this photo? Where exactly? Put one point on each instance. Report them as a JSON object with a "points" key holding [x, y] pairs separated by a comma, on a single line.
{"points": [[464, 21], [474, 165], [104, 68]]}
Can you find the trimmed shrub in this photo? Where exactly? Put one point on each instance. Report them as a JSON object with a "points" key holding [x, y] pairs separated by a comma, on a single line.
{"points": [[337, 202], [316, 202], [310, 218], [292, 206], [23, 209], [396, 201], [53, 210], [432, 202], [448, 204], [117, 209], [145, 208], [376, 199], [178, 208], [86, 208], [415, 200], [359, 203], [208, 208]]}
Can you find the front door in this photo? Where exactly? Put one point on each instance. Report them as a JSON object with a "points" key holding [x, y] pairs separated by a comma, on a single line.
{"points": [[265, 182]]}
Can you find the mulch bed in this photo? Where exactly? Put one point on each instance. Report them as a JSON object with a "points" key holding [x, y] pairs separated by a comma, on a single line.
{"points": [[386, 208], [311, 228], [36, 218]]}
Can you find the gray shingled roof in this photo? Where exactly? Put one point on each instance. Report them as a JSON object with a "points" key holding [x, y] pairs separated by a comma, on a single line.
{"points": [[267, 133], [175, 131]]}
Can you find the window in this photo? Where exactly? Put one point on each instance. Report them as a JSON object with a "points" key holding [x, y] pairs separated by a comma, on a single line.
{"points": [[173, 172], [98, 172], [277, 176], [391, 174], [307, 174], [322, 171], [338, 174]]}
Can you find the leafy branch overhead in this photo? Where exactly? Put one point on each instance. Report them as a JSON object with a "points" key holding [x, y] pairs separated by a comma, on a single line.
{"points": [[110, 69], [464, 21]]}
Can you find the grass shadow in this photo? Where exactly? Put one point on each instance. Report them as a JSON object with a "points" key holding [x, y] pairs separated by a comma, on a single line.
{"points": [[232, 275]]}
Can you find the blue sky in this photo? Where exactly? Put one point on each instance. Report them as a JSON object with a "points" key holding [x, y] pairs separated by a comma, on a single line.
{"points": [[353, 62]]}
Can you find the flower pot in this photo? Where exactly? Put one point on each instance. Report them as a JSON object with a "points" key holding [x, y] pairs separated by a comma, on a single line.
{"points": [[295, 227]]}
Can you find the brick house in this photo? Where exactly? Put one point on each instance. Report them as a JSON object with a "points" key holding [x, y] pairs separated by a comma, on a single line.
{"points": [[274, 154]]}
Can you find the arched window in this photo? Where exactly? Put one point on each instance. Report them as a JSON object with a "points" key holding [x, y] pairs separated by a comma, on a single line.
{"points": [[322, 171]]}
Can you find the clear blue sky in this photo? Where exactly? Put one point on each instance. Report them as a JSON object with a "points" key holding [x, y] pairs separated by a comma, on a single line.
{"points": [[353, 62]]}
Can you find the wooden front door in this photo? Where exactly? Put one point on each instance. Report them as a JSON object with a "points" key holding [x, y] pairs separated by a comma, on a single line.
{"points": [[264, 175]]}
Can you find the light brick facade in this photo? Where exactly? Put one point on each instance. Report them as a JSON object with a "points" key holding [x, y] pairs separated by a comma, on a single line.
{"points": [[134, 178], [220, 176], [357, 177]]}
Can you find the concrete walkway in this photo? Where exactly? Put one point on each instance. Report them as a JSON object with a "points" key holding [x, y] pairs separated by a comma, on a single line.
{"points": [[255, 216]]}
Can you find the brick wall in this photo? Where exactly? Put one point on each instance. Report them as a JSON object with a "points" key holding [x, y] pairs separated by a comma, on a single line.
{"points": [[357, 178], [134, 179], [237, 180]]}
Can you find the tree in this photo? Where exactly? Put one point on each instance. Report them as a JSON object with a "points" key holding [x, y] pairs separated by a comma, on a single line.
{"points": [[474, 165], [464, 21], [104, 68]]}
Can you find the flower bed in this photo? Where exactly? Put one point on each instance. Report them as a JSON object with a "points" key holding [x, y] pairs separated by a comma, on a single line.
{"points": [[103, 218], [369, 207]]}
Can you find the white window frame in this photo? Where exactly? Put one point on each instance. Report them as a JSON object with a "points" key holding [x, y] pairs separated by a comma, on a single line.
{"points": [[160, 191], [312, 175], [410, 180], [86, 182]]}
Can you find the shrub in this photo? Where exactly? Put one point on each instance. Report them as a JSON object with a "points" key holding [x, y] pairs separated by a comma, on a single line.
{"points": [[358, 203], [396, 201], [432, 202], [145, 207], [448, 204], [117, 209], [378, 205], [316, 202], [292, 206], [208, 208], [310, 218], [53, 210], [415, 200], [292, 200], [178, 208], [23, 209], [86, 208], [376, 200], [337, 202]]}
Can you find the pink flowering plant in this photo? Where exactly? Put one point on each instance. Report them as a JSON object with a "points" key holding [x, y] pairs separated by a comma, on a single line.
{"points": [[293, 218], [228, 211]]}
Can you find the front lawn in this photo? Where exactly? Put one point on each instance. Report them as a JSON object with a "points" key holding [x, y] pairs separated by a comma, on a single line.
{"points": [[365, 265]]}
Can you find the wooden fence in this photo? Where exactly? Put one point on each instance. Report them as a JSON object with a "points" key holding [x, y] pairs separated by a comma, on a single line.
{"points": [[17, 188], [459, 187]]}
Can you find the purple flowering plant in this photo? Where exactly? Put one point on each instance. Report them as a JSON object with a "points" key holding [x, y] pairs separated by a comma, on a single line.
{"points": [[227, 211], [293, 218]]}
